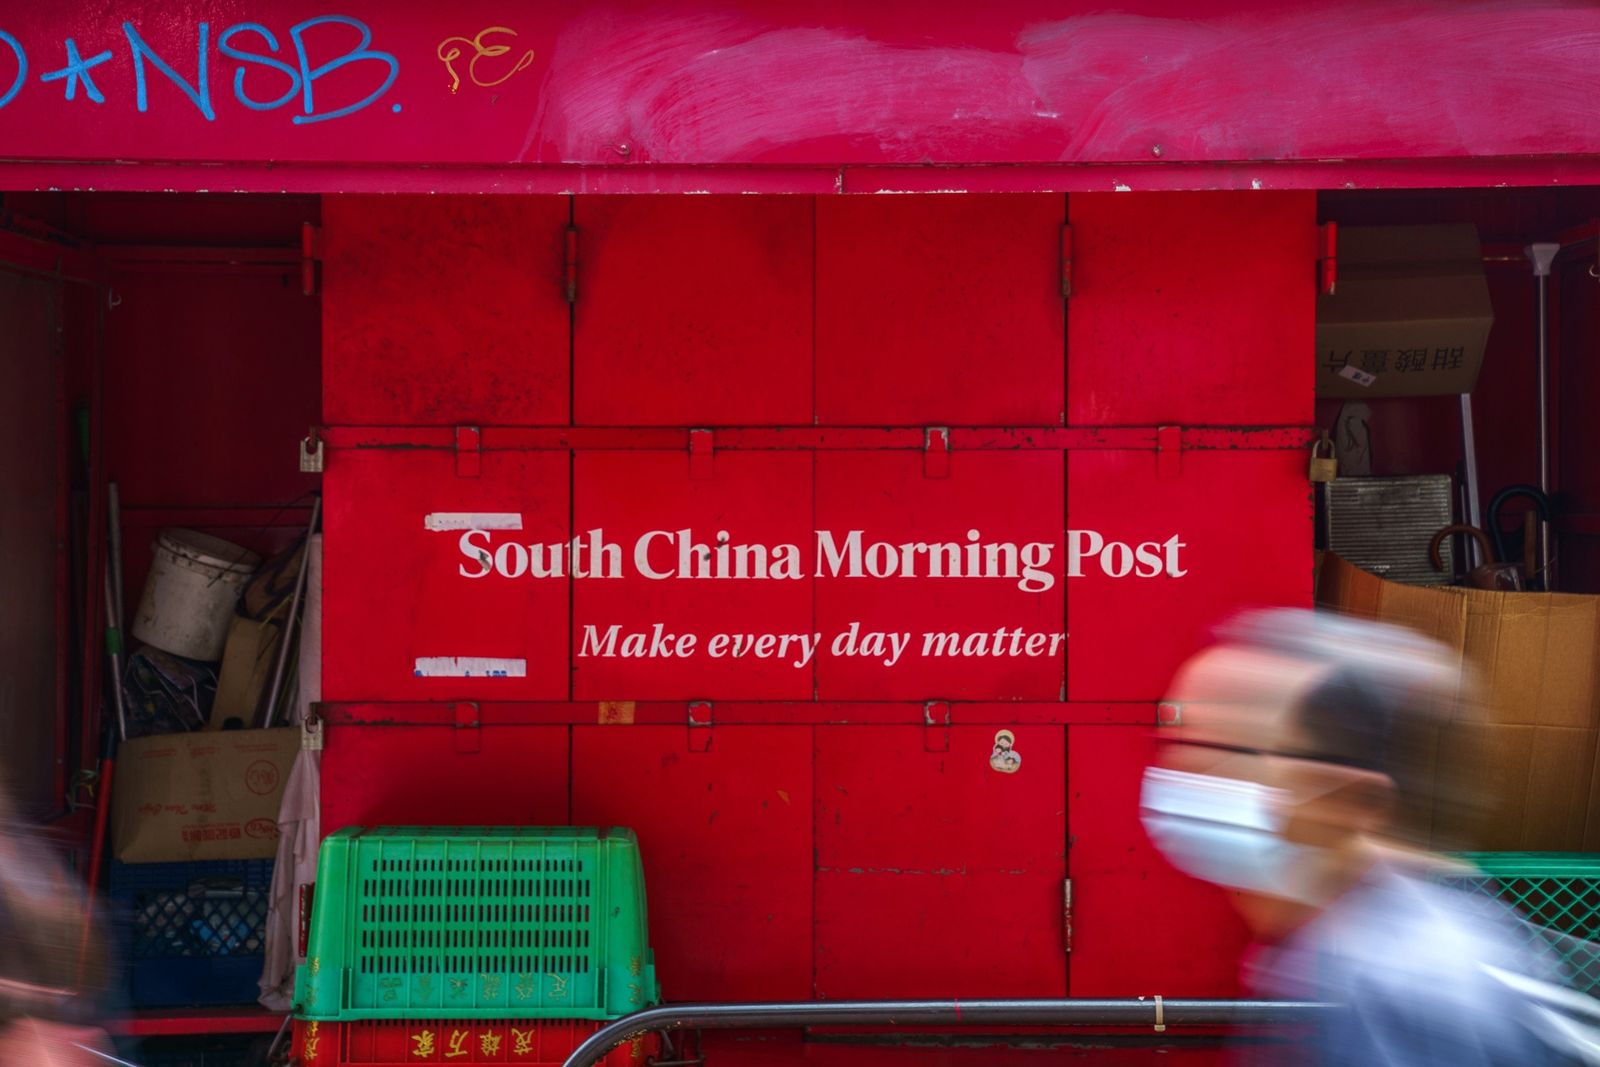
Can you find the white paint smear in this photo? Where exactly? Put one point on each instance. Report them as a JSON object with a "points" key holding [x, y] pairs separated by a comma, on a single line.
{"points": [[473, 520], [470, 667]]}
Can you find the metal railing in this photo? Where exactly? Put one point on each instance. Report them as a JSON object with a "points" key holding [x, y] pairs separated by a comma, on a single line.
{"points": [[1155, 1012]]}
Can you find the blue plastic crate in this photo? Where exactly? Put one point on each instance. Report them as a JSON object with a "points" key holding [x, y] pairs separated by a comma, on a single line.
{"points": [[192, 933]]}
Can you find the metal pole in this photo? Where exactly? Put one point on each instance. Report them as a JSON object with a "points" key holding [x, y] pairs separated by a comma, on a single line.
{"points": [[115, 519], [1469, 447], [294, 614], [1542, 255], [1154, 1012]]}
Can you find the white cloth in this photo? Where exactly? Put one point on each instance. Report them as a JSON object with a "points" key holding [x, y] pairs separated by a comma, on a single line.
{"points": [[300, 815]]}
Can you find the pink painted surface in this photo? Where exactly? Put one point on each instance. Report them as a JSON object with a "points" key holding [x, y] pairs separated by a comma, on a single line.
{"points": [[788, 83]]}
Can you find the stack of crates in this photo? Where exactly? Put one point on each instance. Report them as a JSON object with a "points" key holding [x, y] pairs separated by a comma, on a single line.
{"points": [[192, 933], [472, 945]]}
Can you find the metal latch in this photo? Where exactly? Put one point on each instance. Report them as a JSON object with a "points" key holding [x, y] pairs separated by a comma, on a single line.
{"points": [[700, 453], [936, 452], [700, 726], [1169, 451], [312, 452], [936, 726], [467, 728], [468, 459]]}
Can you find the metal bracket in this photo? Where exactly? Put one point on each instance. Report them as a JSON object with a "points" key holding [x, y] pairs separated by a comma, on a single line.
{"points": [[1327, 258], [936, 726], [700, 455], [469, 461], [1066, 261], [310, 256], [468, 736], [936, 452], [312, 452], [1169, 451], [700, 724]]}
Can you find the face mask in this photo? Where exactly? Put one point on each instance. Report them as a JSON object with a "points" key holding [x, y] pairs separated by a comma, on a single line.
{"points": [[1224, 831]]}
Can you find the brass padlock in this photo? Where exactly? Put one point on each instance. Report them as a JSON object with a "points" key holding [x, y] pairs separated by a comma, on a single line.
{"points": [[1324, 467]]}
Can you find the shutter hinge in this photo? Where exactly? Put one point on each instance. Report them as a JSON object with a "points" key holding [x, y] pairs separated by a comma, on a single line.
{"points": [[1169, 451], [310, 256], [572, 265], [700, 724], [1066, 915], [468, 737], [936, 726], [1066, 261], [469, 461], [1327, 258], [936, 452]]}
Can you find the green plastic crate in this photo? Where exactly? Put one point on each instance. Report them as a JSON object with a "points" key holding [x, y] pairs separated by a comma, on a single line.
{"points": [[477, 923], [1558, 891]]}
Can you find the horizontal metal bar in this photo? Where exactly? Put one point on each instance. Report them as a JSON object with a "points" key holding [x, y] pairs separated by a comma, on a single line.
{"points": [[740, 713], [285, 176], [843, 438], [1141, 1011], [239, 255]]}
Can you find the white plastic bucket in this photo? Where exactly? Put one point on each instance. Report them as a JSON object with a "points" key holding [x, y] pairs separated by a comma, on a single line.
{"points": [[189, 597]]}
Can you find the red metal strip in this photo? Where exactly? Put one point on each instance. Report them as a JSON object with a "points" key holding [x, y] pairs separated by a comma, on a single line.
{"points": [[847, 439], [745, 713], [1260, 438], [1461, 172], [180, 1022]]}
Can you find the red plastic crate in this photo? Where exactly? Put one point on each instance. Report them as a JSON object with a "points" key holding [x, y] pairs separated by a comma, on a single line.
{"points": [[395, 1043]]}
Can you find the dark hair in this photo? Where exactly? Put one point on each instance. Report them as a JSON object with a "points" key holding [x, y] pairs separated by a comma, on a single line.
{"points": [[1348, 717]]}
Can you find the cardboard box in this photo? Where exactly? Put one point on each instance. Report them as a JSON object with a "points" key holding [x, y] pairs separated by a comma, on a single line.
{"points": [[1527, 745], [1410, 314], [201, 796], [247, 662]]}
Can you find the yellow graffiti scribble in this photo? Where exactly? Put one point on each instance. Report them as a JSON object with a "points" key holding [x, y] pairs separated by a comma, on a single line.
{"points": [[450, 50]]}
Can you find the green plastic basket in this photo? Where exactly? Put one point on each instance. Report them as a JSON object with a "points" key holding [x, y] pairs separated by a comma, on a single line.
{"points": [[1558, 891], [477, 923]]}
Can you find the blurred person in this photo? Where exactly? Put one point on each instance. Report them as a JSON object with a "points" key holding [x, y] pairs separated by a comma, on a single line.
{"points": [[52, 977], [1299, 734]]}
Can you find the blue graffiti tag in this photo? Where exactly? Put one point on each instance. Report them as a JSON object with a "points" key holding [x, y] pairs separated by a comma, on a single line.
{"points": [[141, 51], [265, 61], [360, 52], [301, 75], [22, 67], [76, 70]]}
